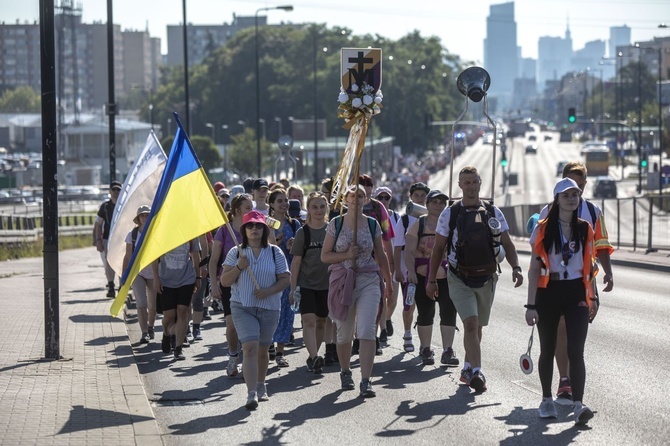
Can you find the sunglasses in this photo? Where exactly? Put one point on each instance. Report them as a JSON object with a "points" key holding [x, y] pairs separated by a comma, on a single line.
{"points": [[255, 225], [384, 197]]}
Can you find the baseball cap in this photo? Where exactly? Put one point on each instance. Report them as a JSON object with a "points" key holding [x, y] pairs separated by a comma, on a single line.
{"points": [[259, 183], [144, 209], [381, 190], [435, 193], [294, 208], [218, 186], [419, 186], [115, 185], [565, 184], [223, 192], [253, 217]]}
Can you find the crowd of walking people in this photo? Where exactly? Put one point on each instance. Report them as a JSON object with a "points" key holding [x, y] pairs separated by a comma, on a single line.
{"points": [[345, 270]]}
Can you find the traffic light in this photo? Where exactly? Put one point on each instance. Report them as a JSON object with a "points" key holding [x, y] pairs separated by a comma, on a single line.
{"points": [[503, 160], [643, 162], [572, 118]]}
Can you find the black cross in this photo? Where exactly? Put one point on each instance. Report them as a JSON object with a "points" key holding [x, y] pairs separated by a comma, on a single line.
{"points": [[360, 73]]}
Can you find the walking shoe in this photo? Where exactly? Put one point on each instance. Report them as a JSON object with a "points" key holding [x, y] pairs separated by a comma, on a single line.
{"points": [[272, 352], [165, 344], [186, 343], [564, 389], [347, 380], [110, 289], [407, 344], [378, 347], [427, 356], [151, 333], [449, 358], [366, 389], [262, 392], [310, 365], [466, 376], [205, 315], [189, 336], [582, 414], [173, 342], [318, 364], [252, 401], [178, 354], [478, 382], [383, 336], [547, 409], [145, 338], [231, 369], [331, 354], [355, 347], [389, 328], [197, 335], [291, 341], [281, 361]]}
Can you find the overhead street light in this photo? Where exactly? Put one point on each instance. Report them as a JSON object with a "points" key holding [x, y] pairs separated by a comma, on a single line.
{"points": [[258, 85]]}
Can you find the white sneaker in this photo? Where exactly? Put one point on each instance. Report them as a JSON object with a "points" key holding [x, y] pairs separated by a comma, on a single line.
{"points": [[547, 409], [231, 370], [252, 401], [582, 414], [262, 392]]}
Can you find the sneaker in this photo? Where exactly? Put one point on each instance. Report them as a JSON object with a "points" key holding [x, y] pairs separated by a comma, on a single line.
{"points": [[427, 356], [355, 347], [173, 342], [378, 347], [582, 415], [145, 338], [366, 389], [547, 409], [449, 358], [564, 389], [347, 380], [262, 392], [383, 336], [252, 401], [165, 344], [331, 354], [291, 341], [272, 352], [110, 289], [186, 343], [281, 361], [197, 335], [318, 364], [178, 355], [389, 328], [310, 365], [189, 336], [407, 344], [151, 333], [478, 382], [205, 315], [466, 376], [231, 369]]}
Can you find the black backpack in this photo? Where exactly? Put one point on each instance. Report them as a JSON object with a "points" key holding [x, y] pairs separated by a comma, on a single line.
{"points": [[475, 247], [307, 241]]}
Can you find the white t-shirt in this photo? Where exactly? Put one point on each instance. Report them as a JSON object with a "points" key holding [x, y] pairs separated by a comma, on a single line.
{"points": [[443, 228], [146, 273], [575, 262]]}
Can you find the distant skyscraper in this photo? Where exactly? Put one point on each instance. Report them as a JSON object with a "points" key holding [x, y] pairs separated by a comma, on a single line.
{"points": [[619, 36], [553, 58], [500, 51]]}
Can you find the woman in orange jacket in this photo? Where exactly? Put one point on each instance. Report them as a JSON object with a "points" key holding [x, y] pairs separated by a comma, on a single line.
{"points": [[560, 279]]}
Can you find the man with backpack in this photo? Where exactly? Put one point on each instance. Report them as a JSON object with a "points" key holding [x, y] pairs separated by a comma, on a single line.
{"points": [[473, 231]]}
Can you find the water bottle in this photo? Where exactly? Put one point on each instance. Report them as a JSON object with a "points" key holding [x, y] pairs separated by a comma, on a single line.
{"points": [[411, 291], [271, 222], [296, 300]]}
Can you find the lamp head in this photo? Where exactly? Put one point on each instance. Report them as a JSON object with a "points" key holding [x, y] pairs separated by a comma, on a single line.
{"points": [[473, 83], [286, 7]]}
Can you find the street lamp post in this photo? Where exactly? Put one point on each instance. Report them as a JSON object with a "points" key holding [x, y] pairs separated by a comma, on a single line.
{"points": [[213, 127], [224, 127], [639, 118], [258, 85], [262, 121], [279, 133]]}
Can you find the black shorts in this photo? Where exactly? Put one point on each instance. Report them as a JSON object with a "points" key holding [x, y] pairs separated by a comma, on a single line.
{"points": [[225, 299], [314, 301], [171, 297]]}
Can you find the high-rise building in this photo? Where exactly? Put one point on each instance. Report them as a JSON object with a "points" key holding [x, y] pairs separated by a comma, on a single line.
{"points": [[500, 51], [553, 58], [202, 39], [20, 61], [619, 36], [588, 57]]}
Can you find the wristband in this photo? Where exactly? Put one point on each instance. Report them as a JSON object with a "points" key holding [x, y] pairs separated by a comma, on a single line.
{"points": [[514, 268], [198, 277], [432, 281], [236, 266], [530, 306]]}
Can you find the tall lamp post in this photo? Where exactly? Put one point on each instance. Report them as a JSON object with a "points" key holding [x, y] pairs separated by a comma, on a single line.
{"points": [[224, 127], [278, 121], [213, 127], [258, 85], [639, 118]]}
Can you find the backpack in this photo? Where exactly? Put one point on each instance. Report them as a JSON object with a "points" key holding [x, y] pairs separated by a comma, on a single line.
{"points": [[475, 246], [372, 225], [307, 242], [133, 236]]}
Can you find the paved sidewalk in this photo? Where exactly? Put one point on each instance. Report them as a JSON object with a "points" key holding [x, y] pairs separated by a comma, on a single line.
{"points": [[94, 395]]}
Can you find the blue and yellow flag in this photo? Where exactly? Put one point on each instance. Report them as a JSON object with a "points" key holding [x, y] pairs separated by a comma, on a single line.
{"points": [[185, 207]]}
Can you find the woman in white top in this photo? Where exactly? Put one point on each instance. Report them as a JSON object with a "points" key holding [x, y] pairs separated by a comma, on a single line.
{"points": [[255, 310]]}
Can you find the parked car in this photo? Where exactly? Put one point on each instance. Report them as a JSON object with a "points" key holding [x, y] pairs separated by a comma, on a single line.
{"points": [[531, 148], [604, 188], [559, 168], [532, 138], [547, 137]]}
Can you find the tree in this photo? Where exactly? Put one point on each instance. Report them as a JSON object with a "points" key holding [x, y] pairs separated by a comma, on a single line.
{"points": [[242, 153], [204, 149], [20, 100]]}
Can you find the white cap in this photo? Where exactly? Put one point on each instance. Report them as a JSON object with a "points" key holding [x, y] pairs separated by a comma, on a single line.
{"points": [[565, 184]]}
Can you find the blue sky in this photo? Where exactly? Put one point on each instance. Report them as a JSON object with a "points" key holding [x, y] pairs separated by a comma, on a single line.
{"points": [[460, 25]]}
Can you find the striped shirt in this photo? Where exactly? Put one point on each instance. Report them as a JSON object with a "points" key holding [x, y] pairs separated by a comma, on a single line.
{"points": [[265, 270]]}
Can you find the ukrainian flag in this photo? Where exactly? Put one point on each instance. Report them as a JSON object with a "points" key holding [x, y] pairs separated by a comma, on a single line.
{"points": [[185, 207]]}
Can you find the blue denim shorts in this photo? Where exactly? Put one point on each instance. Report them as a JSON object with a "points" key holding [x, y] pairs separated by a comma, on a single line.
{"points": [[253, 323]]}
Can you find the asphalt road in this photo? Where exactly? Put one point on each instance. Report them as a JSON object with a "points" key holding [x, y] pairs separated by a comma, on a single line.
{"points": [[627, 363]]}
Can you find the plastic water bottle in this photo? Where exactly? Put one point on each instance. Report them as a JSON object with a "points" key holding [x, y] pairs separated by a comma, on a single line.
{"points": [[411, 291], [296, 300]]}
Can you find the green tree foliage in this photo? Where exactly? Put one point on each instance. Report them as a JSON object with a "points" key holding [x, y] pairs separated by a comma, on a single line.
{"points": [[204, 149], [20, 100], [242, 154], [223, 87]]}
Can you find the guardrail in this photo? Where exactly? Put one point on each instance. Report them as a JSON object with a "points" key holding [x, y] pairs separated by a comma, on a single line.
{"points": [[33, 235]]}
